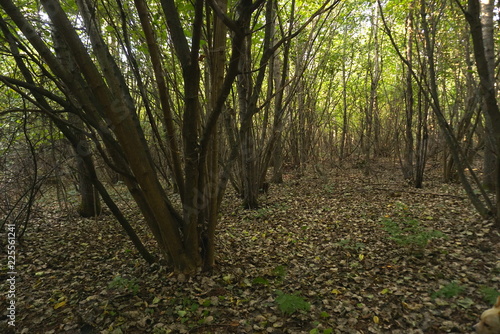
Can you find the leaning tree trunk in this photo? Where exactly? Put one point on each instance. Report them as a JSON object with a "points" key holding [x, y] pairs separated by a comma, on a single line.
{"points": [[487, 85], [453, 144], [481, 202], [106, 104]]}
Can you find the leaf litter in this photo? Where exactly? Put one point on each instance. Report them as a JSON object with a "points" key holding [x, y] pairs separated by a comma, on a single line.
{"points": [[315, 258]]}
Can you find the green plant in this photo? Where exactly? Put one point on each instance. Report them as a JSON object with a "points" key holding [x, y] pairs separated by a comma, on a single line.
{"points": [[128, 285], [281, 207], [187, 309], [262, 213], [158, 330], [350, 244], [260, 280], [329, 188], [450, 290], [291, 303], [489, 294], [407, 231], [324, 331], [279, 271]]}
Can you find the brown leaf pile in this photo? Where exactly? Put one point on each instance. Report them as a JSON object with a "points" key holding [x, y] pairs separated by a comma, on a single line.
{"points": [[317, 238]]}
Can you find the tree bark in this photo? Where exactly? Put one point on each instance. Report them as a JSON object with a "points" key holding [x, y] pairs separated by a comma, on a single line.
{"points": [[490, 151], [216, 74], [90, 205], [487, 86], [408, 173]]}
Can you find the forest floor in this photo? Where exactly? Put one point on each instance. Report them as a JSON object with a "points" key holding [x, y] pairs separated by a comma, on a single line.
{"points": [[340, 252]]}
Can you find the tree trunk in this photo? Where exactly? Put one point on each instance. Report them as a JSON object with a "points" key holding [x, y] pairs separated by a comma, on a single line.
{"points": [[89, 206], [487, 86], [434, 101], [345, 119], [421, 140], [249, 92], [247, 139], [280, 76], [217, 61], [371, 112], [409, 100], [490, 151]]}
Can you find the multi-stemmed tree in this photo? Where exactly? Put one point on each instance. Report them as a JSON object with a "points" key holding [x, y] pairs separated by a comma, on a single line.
{"points": [[89, 82], [144, 86]]}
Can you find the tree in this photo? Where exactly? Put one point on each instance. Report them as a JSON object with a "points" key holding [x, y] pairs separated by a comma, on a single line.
{"points": [[117, 80], [255, 154], [489, 165], [89, 200], [100, 95], [408, 171], [372, 122], [482, 55], [90, 205], [433, 96]]}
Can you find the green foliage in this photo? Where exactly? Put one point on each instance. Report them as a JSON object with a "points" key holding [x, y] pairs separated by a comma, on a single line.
{"points": [[191, 311], [279, 271], [410, 233], [124, 284], [350, 244], [277, 274], [158, 330], [186, 309], [329, 188], [450, 290], [318, 331], [490, 295], [261, 213], [291, 303], [260, 280], [318, 328], [407, 231]]}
